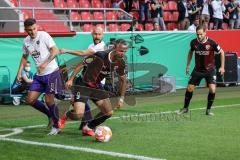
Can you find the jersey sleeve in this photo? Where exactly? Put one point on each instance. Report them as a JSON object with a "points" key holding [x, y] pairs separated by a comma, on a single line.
{"points": [[25, 51], [49, 40], [24, 73], [216, 47]]}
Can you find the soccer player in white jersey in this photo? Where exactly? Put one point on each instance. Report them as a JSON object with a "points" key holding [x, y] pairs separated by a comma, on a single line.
{"points": [[97, 45], [42, 48]]}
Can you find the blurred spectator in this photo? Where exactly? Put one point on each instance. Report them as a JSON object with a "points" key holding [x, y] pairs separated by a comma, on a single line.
{"points": [[194, 10], [128, 4], [157, 13], [144, 10], [232, 8], [206, 13], [116, 3], [192, 28], [183, 20], [226, 13], [238, 3], [136, 4], [155, 27], [26, 80], [22, 87], [134, 26], [218, 9]]}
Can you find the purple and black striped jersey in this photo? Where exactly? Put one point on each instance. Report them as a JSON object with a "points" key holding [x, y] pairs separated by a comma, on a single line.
{"points": [[204, 54]]}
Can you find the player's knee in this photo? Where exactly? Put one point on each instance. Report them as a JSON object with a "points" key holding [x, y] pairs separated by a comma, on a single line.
{"points": [[74, 116], [190, 88], [30, 101], [109, 114]]}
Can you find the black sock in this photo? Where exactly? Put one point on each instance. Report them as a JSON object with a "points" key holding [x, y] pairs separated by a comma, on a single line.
{"points": [[188, 97], [98, 120], [84, 121], [211, 97]]}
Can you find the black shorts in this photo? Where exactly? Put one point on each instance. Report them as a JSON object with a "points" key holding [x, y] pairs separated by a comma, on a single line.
{"points": [[82, 92], [196, 77]]}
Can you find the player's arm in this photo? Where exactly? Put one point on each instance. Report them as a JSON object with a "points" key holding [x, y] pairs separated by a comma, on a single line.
{"points": [[53, 53], [77, 69], [189, 58], [122, 90], [21, 66], [222, 67], [78, 52]]}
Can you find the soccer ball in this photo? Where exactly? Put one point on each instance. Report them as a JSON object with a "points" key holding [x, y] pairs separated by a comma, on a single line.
{"points": [[103, 134]]}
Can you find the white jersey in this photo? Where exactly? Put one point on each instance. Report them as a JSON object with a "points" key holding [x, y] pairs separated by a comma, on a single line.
{"points": [[39, 49], [218, 9], [98, 47]]}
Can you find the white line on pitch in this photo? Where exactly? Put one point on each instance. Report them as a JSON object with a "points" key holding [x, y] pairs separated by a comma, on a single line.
{"points": [[89, 150]]}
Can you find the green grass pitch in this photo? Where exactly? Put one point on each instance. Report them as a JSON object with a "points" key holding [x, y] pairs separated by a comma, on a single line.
{"points": [[144, 131]]}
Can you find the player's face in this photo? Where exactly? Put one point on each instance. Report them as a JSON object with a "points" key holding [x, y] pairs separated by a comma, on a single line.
{"points": [[201, 35], [31, 30], [97, 36], [121, 50]]}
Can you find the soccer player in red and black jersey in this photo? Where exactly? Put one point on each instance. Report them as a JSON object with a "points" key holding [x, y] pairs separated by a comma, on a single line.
{"points": [[98, 66], [204, 49]]}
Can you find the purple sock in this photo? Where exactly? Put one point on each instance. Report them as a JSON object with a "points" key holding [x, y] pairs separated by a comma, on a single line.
{"points": [[87, 113], [42, 108], [54, 114]]}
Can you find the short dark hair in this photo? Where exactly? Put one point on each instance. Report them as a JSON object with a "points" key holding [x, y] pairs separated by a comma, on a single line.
{"points": [[29, 22], [201, 27], [121, 41]]}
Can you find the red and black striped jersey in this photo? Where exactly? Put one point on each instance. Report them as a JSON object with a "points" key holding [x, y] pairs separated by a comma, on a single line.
{"points": [[100, 66], [204, 54]]}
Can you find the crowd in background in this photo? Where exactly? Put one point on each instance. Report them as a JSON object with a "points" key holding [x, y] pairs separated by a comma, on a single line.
{"points": [[210, 13]]}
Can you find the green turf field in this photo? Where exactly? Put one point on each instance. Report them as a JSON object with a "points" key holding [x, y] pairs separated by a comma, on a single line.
{"points": [[145, 131]]}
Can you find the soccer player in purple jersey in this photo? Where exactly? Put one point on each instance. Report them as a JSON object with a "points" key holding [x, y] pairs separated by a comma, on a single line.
{"points": [[98, 67], [42, 48], [204, 49]]}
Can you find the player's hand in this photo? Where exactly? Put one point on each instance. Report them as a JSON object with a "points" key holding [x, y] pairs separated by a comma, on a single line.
{"points": [[62, 51], [221, 70], [187, 70], [19, 78], [41, 68], [68, 84], [120, 103]]}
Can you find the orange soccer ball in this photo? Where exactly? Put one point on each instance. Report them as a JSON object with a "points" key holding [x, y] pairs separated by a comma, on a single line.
{"points": [[103, 134]]}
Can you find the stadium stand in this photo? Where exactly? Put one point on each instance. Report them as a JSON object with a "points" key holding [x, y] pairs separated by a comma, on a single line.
{"points": [[113, 27], [82, 15]]}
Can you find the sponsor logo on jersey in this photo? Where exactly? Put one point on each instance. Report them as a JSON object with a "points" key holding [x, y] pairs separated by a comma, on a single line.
{"points": [[207, 47], [202, 53]]}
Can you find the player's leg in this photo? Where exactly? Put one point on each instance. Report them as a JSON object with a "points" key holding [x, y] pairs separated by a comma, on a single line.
{"points": [[194, 80], [49, 100], [87, 116], [77, 112], [211, 80], [53, 85], [106, 112], [32, 99], [211, 97]]}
